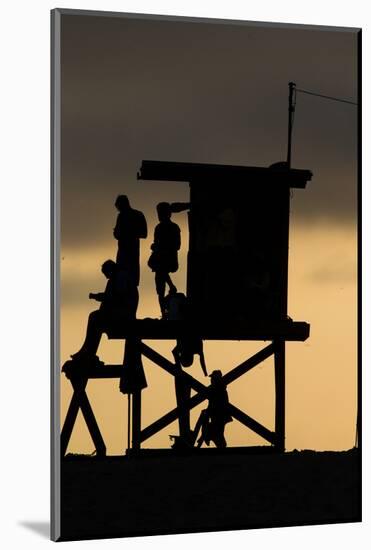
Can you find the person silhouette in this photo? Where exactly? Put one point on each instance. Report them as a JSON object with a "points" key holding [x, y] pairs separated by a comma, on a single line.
{"points": [[184, 353], [188, 344], [216, 416], [119, 304], [164, 257], [130, 226]]}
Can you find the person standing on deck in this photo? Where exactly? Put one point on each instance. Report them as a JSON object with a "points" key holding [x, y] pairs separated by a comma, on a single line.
{"points": [[164, 257], [131, 226]]}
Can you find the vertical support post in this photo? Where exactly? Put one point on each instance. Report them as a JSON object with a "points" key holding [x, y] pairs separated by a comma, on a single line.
{"points": [[280, 382], [190, 244], [136, 422], [291, 113], [129, 420], [183, 395]]}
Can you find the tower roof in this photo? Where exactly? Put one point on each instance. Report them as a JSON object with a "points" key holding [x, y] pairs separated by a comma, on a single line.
{"points": [[276, 174]]}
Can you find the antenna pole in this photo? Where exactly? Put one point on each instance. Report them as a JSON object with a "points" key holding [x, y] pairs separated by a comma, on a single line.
{"points": [[291, 118]]}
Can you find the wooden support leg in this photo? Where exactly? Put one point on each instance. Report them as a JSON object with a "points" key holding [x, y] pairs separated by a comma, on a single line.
{"points": [[279, 371], [92, 425], [137, 403], [70, 420], [80, 400]]}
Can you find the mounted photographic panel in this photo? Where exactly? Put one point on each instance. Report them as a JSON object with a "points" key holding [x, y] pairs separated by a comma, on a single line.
{"points": [[204, 258]]}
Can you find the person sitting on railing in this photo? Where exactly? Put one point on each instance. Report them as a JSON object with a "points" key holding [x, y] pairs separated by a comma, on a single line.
{"points": [[188, 344], [119, 304]]}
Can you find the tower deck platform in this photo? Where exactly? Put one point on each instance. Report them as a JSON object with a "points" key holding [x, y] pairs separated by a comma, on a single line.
{"points": [[154, 329]]}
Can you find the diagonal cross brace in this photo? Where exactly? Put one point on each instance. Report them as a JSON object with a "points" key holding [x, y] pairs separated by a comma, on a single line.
{"points": [[202, 390], [228, 378], [254, 425], [165, 364]]}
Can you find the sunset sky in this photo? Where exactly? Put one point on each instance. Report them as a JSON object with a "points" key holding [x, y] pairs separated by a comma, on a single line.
{"points": [[135, 89]]}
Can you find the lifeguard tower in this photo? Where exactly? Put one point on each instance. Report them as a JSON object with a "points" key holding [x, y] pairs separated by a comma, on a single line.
{"points": [[237, 285]]}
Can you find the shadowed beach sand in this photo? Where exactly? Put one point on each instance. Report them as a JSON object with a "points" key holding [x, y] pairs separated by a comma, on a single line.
{"points": [[159, 493]]}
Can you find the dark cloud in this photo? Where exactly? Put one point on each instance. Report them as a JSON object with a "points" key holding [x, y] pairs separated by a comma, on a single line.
{"points": [[335, 275], [141, 89]]}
